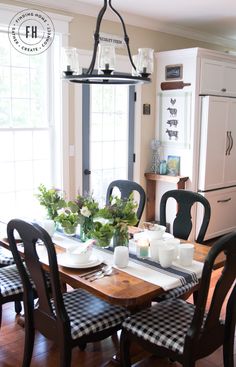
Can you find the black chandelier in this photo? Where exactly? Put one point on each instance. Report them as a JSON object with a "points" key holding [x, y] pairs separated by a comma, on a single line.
{"points": [[106, 60]]}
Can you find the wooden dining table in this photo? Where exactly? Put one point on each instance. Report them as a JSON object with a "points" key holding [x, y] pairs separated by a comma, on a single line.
{"points": [[120, 288]]}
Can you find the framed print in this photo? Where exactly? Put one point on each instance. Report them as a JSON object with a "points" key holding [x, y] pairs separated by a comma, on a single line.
{"points": [[174, 118], [173, 72], [173, 165]]}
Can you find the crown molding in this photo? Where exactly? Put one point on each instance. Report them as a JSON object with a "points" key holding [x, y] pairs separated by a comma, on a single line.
{"points": [[80, 7]]}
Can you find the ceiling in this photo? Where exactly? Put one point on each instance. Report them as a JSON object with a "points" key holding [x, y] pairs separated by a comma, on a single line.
{"points": [[198, 18]]}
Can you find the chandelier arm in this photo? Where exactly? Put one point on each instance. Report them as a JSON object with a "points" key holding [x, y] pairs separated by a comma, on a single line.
{"points": [[96, 38], [126, 37]]}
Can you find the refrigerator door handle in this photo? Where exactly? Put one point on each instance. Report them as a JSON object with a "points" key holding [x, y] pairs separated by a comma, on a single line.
{"points": [[224, 200], [231, 141], [227, 144]]}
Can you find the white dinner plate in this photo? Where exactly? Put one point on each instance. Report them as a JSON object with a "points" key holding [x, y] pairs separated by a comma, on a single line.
{"points": [[63, 261]]}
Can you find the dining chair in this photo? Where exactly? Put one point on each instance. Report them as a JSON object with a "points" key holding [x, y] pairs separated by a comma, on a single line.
{"points": [[6, 260], [182, 226], [11, 288], [126, 187], [69, 319], [185, 332]]}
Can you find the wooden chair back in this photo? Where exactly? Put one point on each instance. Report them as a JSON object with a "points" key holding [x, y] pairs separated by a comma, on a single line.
{"points": [[126, 187], [182, 224]]}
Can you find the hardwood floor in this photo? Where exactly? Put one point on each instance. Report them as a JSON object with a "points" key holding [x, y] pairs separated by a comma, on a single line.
{"points": [[96, 355]]}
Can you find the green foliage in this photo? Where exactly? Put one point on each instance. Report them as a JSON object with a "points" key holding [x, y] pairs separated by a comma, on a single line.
{"points": [[51, 199], [120, 212], [102, 233], [67, 219]]}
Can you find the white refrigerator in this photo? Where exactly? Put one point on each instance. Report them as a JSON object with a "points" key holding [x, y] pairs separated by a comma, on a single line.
{"points": [[217, 163]]}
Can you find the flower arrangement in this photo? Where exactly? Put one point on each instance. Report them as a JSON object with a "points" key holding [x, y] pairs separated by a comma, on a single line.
{"points": [[68, 220], [102, 232], [86, 208], [121, 213], [51, 199]]}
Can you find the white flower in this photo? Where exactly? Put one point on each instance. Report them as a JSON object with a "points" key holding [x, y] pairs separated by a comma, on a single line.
{"points": [[60, 211], [85, 211]]}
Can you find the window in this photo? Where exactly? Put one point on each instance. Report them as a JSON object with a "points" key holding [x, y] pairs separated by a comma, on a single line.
{"points": [[108, 132], [29, 127]]}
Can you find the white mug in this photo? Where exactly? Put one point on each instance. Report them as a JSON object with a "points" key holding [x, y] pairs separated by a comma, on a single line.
{"points": [[154, 248], [166, 255], [175, 242], [186, 251], [121, 256]]}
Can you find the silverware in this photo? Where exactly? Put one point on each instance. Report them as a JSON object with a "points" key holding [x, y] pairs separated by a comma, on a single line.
{"points": [[93, 272], [103, 273]]}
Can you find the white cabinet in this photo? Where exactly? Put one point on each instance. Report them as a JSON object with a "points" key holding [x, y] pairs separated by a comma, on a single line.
{"points": [[223, 209], [217, 78], [209, 157], [217, 143]]}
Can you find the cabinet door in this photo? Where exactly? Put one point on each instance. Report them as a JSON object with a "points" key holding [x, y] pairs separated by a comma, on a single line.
{"points": [[211, 80], [218, 78], [230, 157], [230, 79], [223, 213], [213, 143]]}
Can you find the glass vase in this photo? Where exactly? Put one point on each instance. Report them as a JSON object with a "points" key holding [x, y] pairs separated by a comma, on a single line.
{"points": [[121, 237], [70, 231], [85, 228]]}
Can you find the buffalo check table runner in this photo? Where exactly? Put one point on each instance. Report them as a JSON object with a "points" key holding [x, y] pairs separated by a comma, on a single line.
{"points": [[147, 269]]}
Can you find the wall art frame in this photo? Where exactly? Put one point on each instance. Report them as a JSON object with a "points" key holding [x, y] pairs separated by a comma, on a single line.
{"points": [[174, 118]]}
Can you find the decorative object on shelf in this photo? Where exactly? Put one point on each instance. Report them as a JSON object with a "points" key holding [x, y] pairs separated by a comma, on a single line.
{"points": [[107, 60], [163, 168], [156, 155], [51, 199], [173, 165], [120, 213], [174, 85], [68, 220]]}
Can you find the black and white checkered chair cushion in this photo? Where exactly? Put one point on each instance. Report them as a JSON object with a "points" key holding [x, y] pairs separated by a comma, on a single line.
{"points": [[89, 314], [175, 292], [164, 324], [6, 257], [10, 281]]}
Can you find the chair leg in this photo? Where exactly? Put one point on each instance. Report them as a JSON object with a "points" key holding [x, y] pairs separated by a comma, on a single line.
{"points": [[195, 296], [0, 315], [82, 346], [29, 343], [18, 307], [228, 346], [125, 350], [65, 355]]}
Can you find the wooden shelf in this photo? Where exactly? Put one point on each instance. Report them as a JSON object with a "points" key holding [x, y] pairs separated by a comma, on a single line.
{"points": [[152, 178]]}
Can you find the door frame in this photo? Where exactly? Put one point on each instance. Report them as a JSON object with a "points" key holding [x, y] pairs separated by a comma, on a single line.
{"points": [[86, 134]]}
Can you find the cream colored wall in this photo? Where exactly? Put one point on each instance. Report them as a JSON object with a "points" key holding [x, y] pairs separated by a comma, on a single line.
{"points": [[81, 36]]}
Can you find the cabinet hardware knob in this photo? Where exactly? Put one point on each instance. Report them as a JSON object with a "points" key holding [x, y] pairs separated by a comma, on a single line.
{"points": [[87, 172], [223, 201], [223, 90]]}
